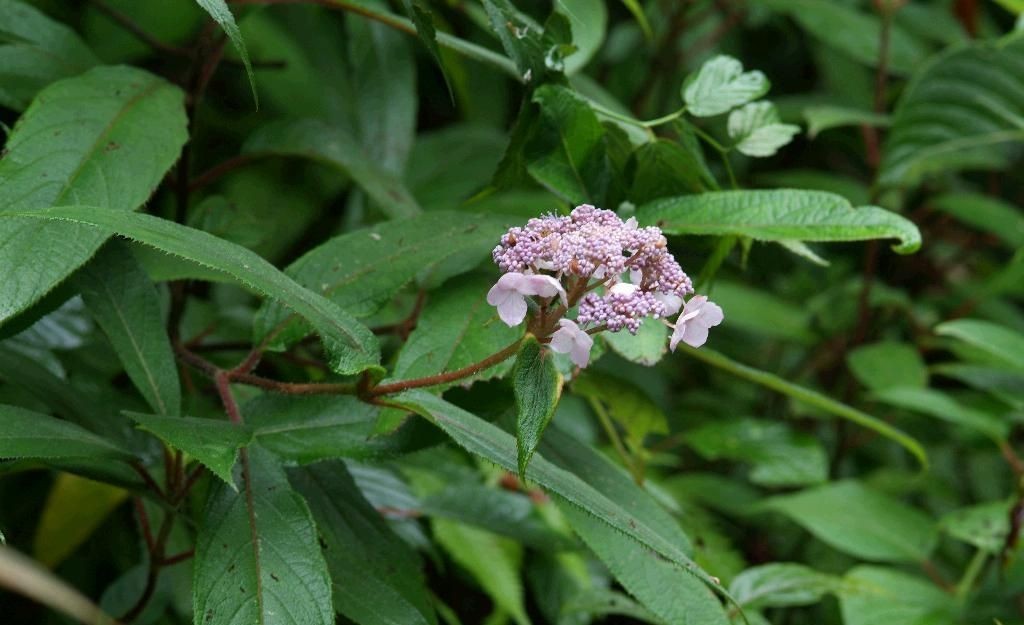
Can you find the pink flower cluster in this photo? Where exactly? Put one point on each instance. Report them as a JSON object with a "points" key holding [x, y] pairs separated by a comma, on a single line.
{"points": [[617, 272]]}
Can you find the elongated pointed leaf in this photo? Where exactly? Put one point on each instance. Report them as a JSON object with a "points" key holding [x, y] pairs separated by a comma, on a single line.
{"points": [[351, 345], [376, 578], [257, 558], [75, 508], [537, 385], [104, 138], [423, 18], [1001, 342], [28, 434], [781, 584], [35, 51], [332, 145], [825, 117], [360, 271], [875, 594], [219, 11], [213, 443], [124, 302], [490, 442], [941, 406], [780, 214]]}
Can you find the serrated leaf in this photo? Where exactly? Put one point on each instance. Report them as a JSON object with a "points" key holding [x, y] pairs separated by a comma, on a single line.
{"points": [[663, 168], [124, 302], [864, 523], [825, 117], [257, 559], [332, 145], [957, 112], [105, 138], [1001, 342], [721, 85], [28, 434], [211, 442], [423, 19], [941, 406], [35, 51], [361, 270], [351, 345], [522, 40], [778, 214], [588, 20], [985, 213], [537, 386], [311, 428], [456, 328], [376, 578], [567, 154], [888, 364], [758, 131], [74, 509], [778, 456], [781, 584], [874, 594], [644, 524], [219, 11]]}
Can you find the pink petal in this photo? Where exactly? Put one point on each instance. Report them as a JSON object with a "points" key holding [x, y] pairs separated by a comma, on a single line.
{"points": [[561, 341], [544, 286], [695, 335], [711, 315], [512, 310]]}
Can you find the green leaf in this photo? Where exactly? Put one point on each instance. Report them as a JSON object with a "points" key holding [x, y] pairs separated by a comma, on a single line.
{"points": [[781, 584], [762, 313], [861, 522], [257, 559], [567, 154], [985, 525], [956, 112], [456, 329], [124, 302], [105, 138], [447, 166], [351, 345], [537, 386], [376, 578], [28, 434], [644, 521], [1001, 382], [648, 346], [75, 508], [34, 52], [887, 364], [522, 40], [588, 20], [874, 594], [758, 131], [664, 168], [424, 21], [311, 428], [219, 11], [779, 214], [778, 455], [825, 117], [998, 341], [852, 32], [333, 146], [985, 213], [941, 406], [493, 561], [720, 86], [211, 442], [362, 270], [663, 588], [627, 404]]}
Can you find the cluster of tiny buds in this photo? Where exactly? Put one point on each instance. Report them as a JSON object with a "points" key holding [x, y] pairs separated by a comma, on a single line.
{"points": [[616, 271], [592, 243]]}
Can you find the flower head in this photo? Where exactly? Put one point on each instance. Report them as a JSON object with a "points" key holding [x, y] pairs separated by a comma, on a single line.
{"points": [[693, 323], [570, 339]]}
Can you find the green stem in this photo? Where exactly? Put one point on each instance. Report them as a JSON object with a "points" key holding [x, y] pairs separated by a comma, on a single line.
{"points": [[971, 573], [811, 398], [651, 123], [613, 436]]}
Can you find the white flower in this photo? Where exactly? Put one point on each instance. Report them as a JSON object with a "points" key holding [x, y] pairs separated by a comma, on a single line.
{"points": [[671, 301], [570, 339], [692, 325], [508, 294], [623, 288]]}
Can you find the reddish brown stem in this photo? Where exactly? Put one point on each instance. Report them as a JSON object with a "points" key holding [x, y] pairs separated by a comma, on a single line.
{"points": [[220, 170], [181, 557], [451, 376], [147, 478], [147, 532], [224, 390]]}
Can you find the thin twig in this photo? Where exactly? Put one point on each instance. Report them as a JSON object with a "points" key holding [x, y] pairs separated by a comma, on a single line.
{"points": [[451, 376]]}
